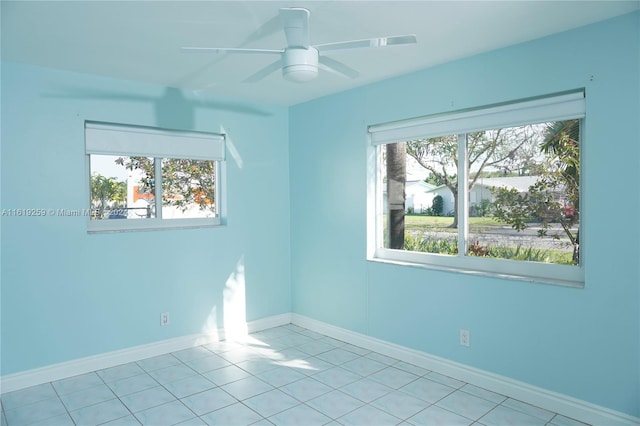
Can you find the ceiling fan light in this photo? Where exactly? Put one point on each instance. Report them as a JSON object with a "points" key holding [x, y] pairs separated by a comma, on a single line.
{"points": [[300, 73], [300, 64]]}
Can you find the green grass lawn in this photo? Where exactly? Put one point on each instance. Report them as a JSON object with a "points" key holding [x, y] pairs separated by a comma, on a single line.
{"points": [[417, 222]]}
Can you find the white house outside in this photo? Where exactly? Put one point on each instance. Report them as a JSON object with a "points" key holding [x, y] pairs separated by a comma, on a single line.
{"points": [[482, 190], [418, 196]]}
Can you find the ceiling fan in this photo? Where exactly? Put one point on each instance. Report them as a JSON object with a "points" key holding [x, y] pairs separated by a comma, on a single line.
{"points": [[300, 61]]}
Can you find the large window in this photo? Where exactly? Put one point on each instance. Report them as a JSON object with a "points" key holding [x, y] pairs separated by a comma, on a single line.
{"points": [[144, 178], [493, 190]]}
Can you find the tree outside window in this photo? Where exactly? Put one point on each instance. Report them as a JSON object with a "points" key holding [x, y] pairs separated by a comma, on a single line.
{"points": [[523, 186]]}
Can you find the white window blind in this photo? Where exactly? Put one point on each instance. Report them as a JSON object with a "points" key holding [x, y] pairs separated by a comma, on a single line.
{"points": [[113, 139], [552, 108]]}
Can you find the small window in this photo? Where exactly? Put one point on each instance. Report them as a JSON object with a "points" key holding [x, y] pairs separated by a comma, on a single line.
{"points": [[143, 178], [493, 190]]}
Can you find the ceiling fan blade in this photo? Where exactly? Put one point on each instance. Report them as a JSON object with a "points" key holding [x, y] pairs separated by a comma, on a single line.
{"points": [[337, 67], [264, 72], [270, 27], [229, 50], [296, 26], [366, 43]]}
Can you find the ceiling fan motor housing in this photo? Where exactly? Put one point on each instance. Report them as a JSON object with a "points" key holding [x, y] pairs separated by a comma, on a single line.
{"points": [[300, 64]]}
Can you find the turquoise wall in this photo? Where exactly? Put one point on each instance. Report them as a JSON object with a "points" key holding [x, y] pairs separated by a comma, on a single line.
{"points": [[67, 294], [579, 342]]}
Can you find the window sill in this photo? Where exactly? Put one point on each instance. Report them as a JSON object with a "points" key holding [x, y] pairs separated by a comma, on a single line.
{"points": [[124, 225], [574, 277]]}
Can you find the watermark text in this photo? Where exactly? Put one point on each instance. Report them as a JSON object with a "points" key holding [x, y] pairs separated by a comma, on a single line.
{"points": [[58, 212]]}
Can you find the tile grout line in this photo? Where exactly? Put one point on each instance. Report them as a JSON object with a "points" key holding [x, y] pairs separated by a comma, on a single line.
{"points": [[180, 362], [293, 340]]}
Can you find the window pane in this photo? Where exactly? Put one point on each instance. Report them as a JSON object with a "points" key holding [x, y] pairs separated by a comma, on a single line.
{"points": [[121, 187], [188, 188], [418, 186], [524, 192]]}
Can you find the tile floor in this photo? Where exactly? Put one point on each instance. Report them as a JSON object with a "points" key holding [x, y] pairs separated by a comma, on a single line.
{"points": [[282, 376]]}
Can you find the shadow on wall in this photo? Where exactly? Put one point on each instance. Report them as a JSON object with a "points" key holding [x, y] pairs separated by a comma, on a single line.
{"points": [[231, 147], [173, 110]]}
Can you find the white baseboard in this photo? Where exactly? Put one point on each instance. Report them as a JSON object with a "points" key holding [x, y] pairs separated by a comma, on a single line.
{"points": [[549, 400], [50, 373], [552, 401], [269, 322]]}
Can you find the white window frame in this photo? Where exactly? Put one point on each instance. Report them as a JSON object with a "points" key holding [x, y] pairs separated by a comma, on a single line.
{"points": [[564, 106], [128, 140]]}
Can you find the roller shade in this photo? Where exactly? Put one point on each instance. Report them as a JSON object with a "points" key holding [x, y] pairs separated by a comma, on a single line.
{"points": [[539, 110], [114, 139]]}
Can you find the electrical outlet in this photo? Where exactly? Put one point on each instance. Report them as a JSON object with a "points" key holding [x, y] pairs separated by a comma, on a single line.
{"points": [[465, 337], [164, 318]]}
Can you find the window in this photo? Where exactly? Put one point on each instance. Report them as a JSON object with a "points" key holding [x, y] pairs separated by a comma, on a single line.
{"points": [[145, 178], [494, 190]]}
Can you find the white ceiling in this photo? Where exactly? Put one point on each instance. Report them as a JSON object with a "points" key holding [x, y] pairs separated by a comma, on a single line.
{"points": [[141, 40]]}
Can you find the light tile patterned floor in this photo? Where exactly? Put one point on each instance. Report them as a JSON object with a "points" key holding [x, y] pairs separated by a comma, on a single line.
{"points": [[282, 376]]}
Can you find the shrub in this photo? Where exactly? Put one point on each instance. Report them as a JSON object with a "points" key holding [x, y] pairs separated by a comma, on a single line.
{"points": [[429, 244], [481, 209], [438, 205]]}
